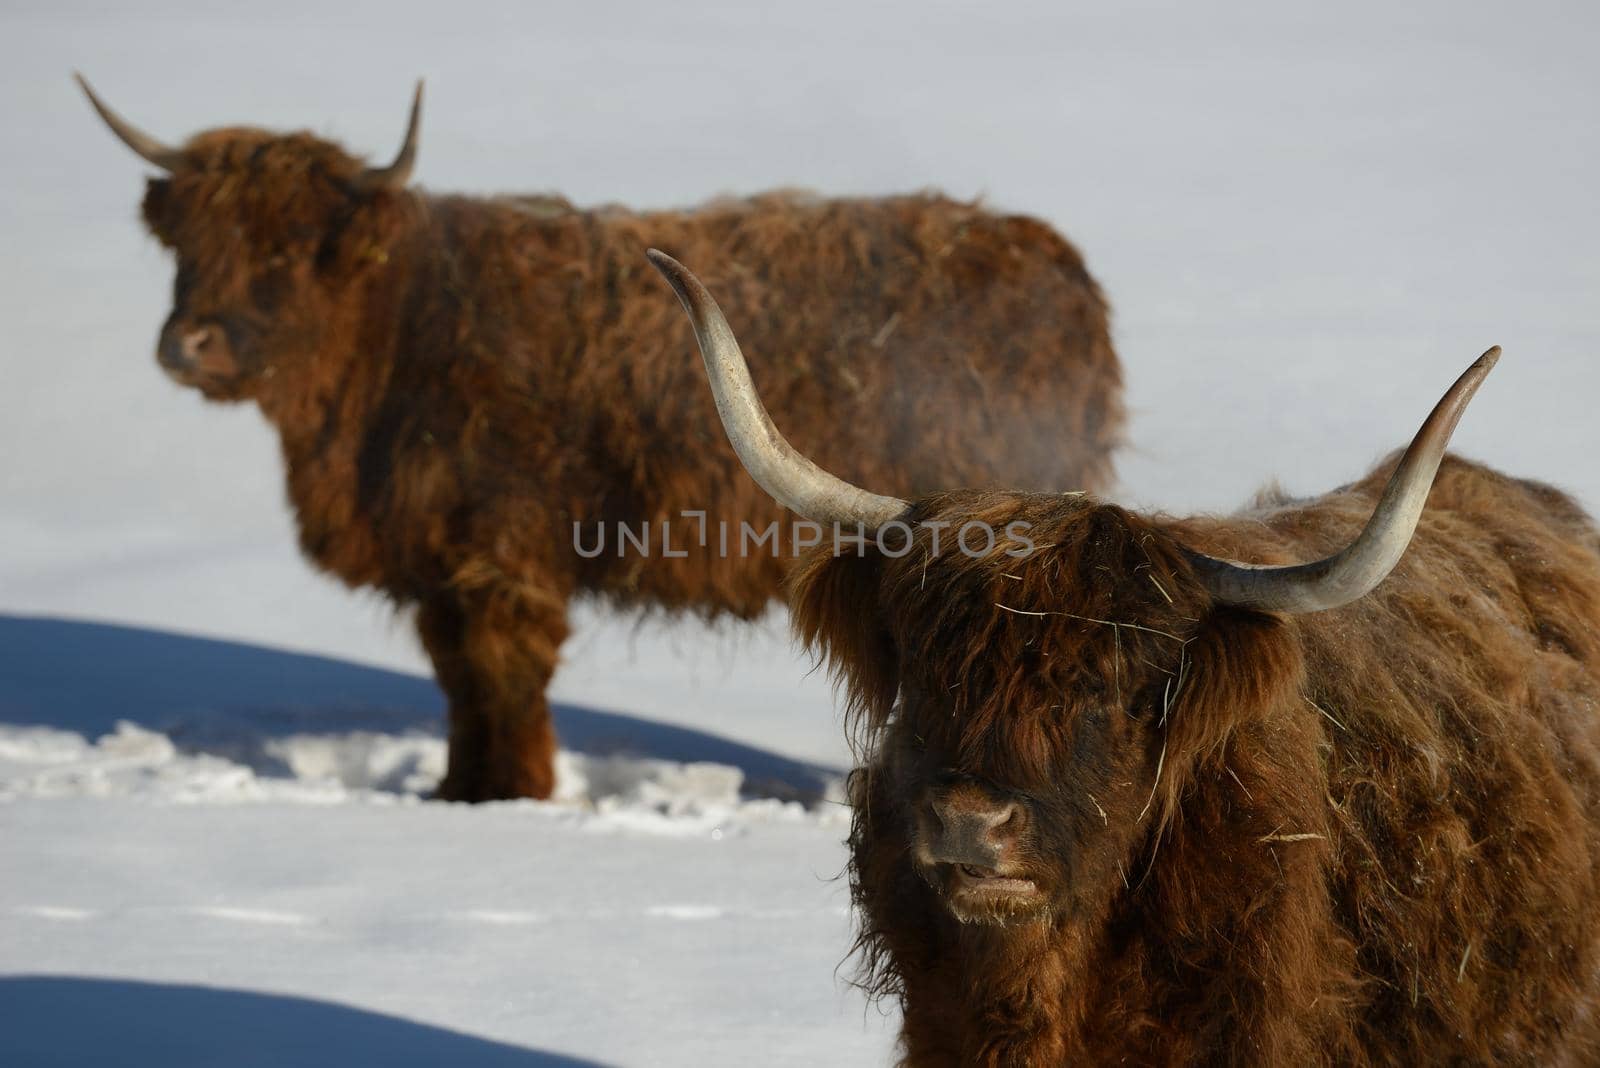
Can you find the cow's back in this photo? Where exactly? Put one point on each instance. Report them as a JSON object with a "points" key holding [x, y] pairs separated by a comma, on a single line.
{"points": [[912, 344], [908, 344]]}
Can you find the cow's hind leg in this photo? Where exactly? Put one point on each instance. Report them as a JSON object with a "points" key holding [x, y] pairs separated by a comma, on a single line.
{"points": [[493, 652]]}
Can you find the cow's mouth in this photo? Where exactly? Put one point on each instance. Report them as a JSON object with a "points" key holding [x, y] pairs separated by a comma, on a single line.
{"points": [[980, 895], [975, 880]]}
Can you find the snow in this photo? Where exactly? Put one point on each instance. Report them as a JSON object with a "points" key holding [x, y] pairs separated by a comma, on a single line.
{"points": [[252, 875], [513, 923], [1309, 219]]}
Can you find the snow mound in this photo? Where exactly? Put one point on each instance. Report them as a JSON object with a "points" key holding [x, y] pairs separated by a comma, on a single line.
{"points": [[238, 763]]}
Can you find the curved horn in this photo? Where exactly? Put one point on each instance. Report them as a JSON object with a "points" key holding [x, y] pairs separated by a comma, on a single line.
{"points": [[398, 173], [791, 479], [163, 156], [1365, 562]]}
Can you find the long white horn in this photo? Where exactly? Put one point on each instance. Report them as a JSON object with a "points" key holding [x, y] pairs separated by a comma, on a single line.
{"points": [[792, 479], [163, 156], [1367, 561]]}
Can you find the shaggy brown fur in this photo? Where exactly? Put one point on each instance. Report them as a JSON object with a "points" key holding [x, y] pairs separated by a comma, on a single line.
{"points": [[1369, 836], [458, 382]]}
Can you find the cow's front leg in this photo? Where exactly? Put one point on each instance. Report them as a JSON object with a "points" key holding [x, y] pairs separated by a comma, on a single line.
{"points": [[493, 653]]}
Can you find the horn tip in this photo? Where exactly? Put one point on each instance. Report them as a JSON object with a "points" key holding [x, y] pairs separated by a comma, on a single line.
{"points": [[676, 274], [1489, 358], [692, 293]]}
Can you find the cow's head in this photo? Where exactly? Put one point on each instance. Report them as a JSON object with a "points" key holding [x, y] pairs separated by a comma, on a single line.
{"points": [[270, 231], [1036, 675], [1011, 717]]}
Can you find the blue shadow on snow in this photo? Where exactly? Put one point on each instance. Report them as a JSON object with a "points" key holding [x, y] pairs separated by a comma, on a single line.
{"points": [[57, 1022], [84, 677]]}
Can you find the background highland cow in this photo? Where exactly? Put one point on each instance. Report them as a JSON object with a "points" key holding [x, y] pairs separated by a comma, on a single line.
{"points": [[474, 394], [1124, 800]]}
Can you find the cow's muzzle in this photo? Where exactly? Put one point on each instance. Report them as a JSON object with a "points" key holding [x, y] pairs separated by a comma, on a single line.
{"points": [[970, 844], [196, 352], [969, 829]]}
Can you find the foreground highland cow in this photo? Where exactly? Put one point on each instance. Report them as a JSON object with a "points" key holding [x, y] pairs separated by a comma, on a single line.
{"points": [[473, 393], [1127, 802]]}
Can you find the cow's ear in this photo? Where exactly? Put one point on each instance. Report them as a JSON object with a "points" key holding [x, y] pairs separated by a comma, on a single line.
{"points": [[1243, 667], [835, 606], [156, 207]]}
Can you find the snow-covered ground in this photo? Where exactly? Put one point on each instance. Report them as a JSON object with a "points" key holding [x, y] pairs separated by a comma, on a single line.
{"points": [[1309, 219], [535, 926], [225, 850]]}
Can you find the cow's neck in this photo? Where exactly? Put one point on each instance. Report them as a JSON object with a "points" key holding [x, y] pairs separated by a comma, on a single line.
{"points": [[322, 406]]}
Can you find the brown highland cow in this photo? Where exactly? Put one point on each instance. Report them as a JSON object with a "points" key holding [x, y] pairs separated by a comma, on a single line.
{"points": [[468, 390], [1124, 801]]}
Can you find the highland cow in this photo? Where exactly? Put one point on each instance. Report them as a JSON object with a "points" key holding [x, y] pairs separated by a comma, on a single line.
{"points": [[1126, 801], [470, 391]]}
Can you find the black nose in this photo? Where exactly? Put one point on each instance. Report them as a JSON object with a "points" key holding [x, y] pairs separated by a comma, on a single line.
{"points": [[970, 826]]}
